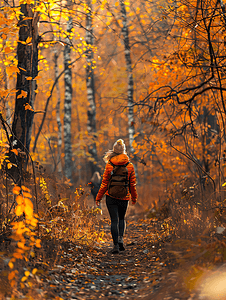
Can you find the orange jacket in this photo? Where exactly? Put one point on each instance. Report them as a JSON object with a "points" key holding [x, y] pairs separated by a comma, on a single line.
{"points": [[120, 159]]}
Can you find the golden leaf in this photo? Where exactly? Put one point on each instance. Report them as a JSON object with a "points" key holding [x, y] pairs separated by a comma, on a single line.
{"points": [[27, 195], [23, 94], [19, 199], [24, 278], [17, 255], [11, 69], [11, 265], [16, 190], [38, 243], [19, 210], [28, 107], [15, 151], [24, 188], [34, 271], [7, 50], [28, 40], [28, 209], [11, 275]]}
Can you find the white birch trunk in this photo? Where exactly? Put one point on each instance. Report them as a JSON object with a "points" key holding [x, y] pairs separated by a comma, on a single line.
{"points": [[131, 129], [67, 106], [5, 104], [6, 86], [91, 121]]}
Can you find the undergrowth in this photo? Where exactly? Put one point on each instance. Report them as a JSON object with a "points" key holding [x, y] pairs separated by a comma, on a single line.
{"points": [[36, 224], [191, 222]]}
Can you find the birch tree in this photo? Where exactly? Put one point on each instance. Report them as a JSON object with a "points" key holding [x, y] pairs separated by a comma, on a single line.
{"points": [[125, 33], [67, 103], [91, 113]]}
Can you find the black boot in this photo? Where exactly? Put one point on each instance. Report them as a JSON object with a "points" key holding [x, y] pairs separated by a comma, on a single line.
{"points": [[115, 250], [121, 247], [120, 243]]}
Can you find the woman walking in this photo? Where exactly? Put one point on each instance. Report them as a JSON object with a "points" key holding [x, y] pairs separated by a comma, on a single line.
{"points": [[119, 176], [95, 185]]}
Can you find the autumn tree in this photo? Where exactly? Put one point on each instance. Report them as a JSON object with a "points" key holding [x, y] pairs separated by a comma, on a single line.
{"points": [[90, 84], [68, 100], [186, 96], [130, 90], [59, 124], [27, 53]]}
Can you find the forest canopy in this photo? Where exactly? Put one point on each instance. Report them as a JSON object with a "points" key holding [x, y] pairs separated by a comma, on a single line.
{"points": [[76, 76]]}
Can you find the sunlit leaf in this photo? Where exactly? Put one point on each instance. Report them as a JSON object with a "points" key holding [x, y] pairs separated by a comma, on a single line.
{"points": [[16, 190], [15, 151], [19, 210], [19, 199]]}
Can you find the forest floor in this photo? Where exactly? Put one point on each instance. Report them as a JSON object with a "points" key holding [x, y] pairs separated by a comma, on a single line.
{"points": [[147, 269], [153, 266]]}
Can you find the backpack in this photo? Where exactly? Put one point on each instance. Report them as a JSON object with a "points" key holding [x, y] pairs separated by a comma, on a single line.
{"points": [[118, 184]]}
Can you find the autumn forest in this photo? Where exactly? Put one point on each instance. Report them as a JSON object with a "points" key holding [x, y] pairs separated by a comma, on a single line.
{"points": [[75, 76]]}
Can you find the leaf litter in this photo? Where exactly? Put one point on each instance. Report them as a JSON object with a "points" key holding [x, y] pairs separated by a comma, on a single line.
{"points": [[155, 265]]}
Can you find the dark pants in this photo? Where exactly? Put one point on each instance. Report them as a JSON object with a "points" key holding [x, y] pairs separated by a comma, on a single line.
{"points": [[117, 210]]}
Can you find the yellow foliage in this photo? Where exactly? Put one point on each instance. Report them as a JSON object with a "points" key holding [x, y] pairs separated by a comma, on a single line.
{"points": [[11, 275], [24, 278], [24, 188], [34, 271], [19, 199], [17, 255], [15, 151], [38, 243], [23, 94], [19, 210]]}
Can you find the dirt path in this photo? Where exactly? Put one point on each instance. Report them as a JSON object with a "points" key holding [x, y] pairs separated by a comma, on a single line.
{"points": [[141, 271]]}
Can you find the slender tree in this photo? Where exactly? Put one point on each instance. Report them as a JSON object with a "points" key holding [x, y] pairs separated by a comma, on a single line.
{"points": [[67, 102], [59, 125], [91, 113], [6, 86], [130, 90]]}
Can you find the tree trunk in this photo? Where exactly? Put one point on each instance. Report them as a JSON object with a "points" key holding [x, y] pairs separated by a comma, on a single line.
{"points": [[67, 105], [131, 129], [79, 157], [91, 120], [27, 53], [59, 125], [6, 86]]}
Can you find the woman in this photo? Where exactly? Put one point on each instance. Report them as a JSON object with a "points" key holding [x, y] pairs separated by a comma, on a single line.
{"points": [[117, 206], [95, 185]]}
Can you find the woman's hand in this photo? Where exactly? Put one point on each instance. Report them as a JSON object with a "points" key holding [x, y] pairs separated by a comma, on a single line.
{"points": [[134, 201], [97, 202]]}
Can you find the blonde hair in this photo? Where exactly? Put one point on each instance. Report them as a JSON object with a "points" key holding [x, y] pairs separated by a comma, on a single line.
{"points": [[119, 147], [96, 178], [108, 155]]}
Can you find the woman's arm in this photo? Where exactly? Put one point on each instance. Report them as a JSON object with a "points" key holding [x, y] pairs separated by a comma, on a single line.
{"points": [[105, 180], [132, 185]]}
